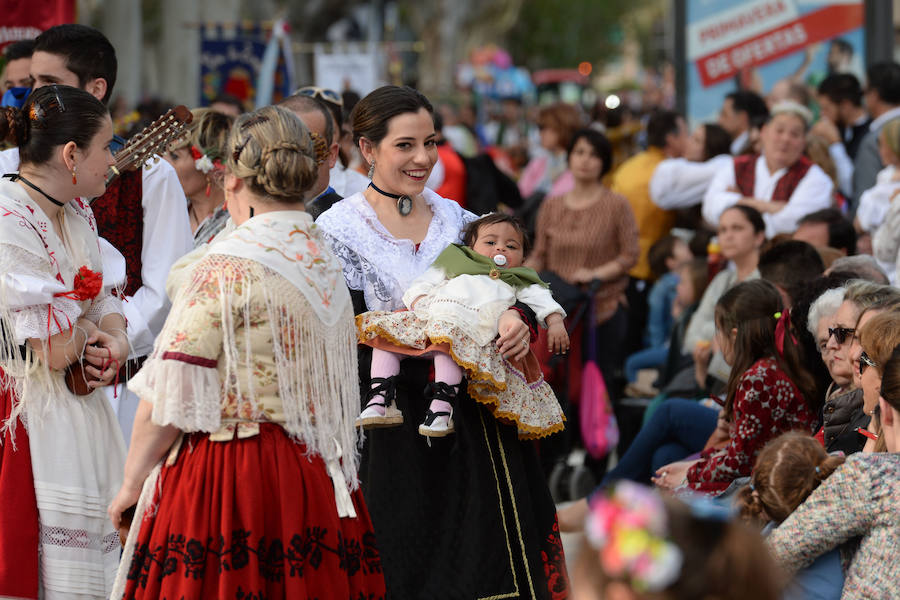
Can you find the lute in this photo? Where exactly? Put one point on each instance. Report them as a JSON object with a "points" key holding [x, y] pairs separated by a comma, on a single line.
{"points": [[140, 148], [151, 141]]}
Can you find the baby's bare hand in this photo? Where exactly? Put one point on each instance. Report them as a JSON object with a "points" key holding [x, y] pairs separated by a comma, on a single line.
{"points": [[557, 338]]}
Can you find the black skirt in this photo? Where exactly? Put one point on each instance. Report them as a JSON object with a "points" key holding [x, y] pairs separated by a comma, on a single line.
{"points": [[469, 517]]}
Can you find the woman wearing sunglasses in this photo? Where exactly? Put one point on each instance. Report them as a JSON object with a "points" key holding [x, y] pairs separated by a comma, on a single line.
{"points": [[860, 299], [859, 500], [879, 333], [842, 412]]}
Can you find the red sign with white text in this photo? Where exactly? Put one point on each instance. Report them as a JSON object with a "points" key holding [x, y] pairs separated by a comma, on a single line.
{"points": [[781, 41], [21, 20]]}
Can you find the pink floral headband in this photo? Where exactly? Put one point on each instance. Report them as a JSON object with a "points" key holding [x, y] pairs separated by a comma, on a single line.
{"points": [[629, 528]]}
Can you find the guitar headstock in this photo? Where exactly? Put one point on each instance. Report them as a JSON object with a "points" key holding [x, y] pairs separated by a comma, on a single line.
{"points": [[152, 140]]}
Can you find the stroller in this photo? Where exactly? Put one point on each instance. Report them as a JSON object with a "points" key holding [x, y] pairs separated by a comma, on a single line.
{"points": [[582, 393]]}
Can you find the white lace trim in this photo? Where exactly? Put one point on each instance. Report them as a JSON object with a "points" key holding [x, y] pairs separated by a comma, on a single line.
{"points": [[101, 307], [79, 538], [171, 385], [379, 264]]}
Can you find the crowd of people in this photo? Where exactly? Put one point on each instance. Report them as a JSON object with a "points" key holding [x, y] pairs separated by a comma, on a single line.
{"points": [[335, 347]]}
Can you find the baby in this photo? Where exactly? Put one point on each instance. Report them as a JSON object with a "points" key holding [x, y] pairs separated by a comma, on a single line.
{"points": [[454, 309]]}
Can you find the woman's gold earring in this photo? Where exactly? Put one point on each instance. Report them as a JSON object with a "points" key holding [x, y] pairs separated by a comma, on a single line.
{"points": [[74, 179]]}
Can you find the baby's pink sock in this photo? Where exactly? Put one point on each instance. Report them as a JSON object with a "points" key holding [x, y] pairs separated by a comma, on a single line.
{"points": [[384, 364], [446, 371]]}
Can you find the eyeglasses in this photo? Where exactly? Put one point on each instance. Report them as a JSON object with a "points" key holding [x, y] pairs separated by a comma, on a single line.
{"points": [[865, 361], [325, 94], [841, 333]]}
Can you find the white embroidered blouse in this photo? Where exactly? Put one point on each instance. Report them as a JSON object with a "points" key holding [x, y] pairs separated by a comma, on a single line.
{"points": [[376, 262]]}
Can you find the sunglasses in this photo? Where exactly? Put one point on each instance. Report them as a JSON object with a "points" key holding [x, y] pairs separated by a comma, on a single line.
{"points": [[865, 361], [841, 333], [322, 94]]}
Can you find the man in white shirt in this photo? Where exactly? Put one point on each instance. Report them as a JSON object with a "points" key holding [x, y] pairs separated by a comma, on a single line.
{"points": [[781, 183], [739, 110], [82, 57], [682, 182], [883, 102]]}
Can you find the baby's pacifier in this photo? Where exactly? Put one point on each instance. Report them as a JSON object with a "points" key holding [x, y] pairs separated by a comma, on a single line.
{"points": [[499, 260]]}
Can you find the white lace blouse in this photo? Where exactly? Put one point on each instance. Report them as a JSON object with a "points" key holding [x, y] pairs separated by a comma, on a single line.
{"points": [[376, 262]]}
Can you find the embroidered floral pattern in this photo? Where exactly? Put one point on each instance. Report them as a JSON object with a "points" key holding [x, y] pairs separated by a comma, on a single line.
{"points": [[554, 559], [274, 560]]}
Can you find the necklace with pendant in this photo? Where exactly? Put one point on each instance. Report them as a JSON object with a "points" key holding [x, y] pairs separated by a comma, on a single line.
{"points": [[404, 202]]}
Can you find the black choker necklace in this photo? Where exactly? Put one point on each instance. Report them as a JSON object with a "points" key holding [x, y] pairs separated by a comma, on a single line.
{"points": [[404, 202], [17, 177]]}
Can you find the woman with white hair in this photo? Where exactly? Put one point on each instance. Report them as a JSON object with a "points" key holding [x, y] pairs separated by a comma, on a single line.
{"points": [[781, 183], [843, 410]]}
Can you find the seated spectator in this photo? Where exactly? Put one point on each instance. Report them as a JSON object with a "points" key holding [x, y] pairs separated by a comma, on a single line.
{"points": [[763, 399], [641, 545], [666, 256], [858, 501], [741, 235], [843, 122], [817, 152], [879, 335], [787, 471], [882, 97], [863, 266], [842, 412], [790, 266], [682, 182], [768, 389], [827, 227], [860, 297], [780, 183], [739, 112], [875, 201], [692, 281]]}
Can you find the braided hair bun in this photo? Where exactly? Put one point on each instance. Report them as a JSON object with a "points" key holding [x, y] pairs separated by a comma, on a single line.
{"points": [[273, 152]]}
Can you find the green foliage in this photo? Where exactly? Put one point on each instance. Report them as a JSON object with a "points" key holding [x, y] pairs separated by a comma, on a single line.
{"points": [[563, 33]]}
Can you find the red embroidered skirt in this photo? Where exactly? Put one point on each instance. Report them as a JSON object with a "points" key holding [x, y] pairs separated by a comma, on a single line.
{"points": [[19, 523], [248, 519]]}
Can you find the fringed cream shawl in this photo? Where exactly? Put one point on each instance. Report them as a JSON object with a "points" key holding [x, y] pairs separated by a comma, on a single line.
{"points": [[261, 331]]}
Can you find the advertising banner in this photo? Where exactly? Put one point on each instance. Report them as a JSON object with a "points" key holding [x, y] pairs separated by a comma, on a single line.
{"points": [[25, 20], [755, 44]]}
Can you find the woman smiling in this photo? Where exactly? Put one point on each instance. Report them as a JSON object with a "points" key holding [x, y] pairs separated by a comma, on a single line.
{"points": [[781, 183]]}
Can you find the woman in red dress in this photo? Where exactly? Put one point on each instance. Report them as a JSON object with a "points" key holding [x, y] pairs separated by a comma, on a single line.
{"points": [[248, 400]]}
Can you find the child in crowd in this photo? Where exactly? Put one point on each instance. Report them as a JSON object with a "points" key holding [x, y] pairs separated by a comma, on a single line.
{"points": [[787, 471], [640, 545], [691, 280], [764, 395], [453, 315]]}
